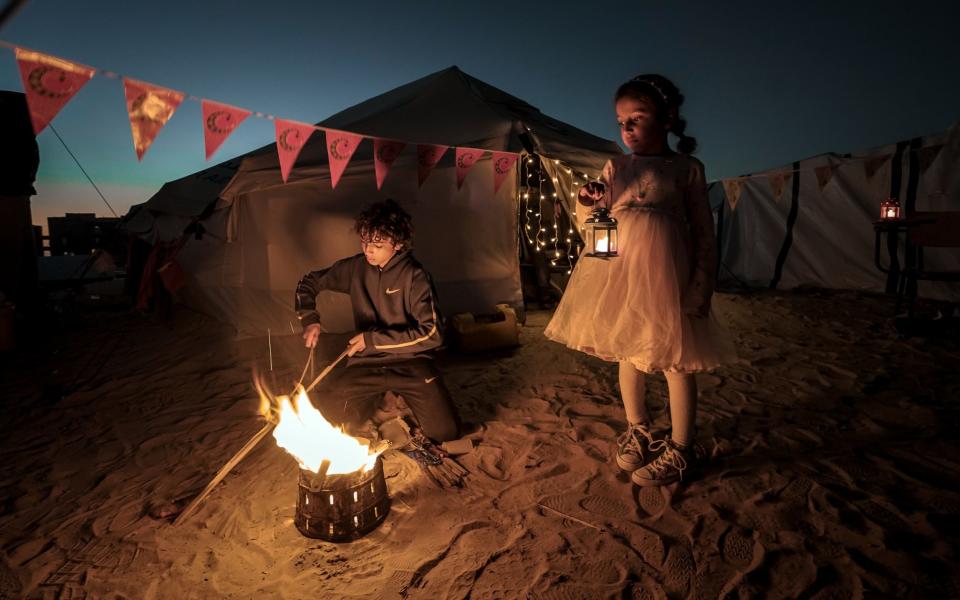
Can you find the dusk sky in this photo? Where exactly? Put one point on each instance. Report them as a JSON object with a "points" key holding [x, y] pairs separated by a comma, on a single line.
{"points": [[766, 82]]}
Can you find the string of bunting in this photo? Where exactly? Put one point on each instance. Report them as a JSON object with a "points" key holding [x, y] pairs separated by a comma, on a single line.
{"points": [[733, 187], [50, 82]]}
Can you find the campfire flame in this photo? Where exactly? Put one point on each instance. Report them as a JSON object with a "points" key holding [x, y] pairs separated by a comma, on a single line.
{"points": [[303, 432]]}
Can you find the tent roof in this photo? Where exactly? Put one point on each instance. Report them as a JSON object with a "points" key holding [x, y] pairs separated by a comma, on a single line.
{"points": [[448, 107]]}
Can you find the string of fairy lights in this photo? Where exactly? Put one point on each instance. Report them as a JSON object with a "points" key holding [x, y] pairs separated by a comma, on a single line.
{"points": [[533, 227]]}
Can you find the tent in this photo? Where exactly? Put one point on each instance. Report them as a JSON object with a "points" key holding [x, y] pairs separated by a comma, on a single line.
{"points": [[253, 236], [818, 230]]}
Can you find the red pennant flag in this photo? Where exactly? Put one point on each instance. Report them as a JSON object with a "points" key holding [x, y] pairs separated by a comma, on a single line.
{"points": [[49, 83], [732, 189], [466, 158], [824, 175], [219, 121], [291, 137], [502, 163], [340, 148], [428, 156], [927, 155], [778, 181], [384, 153], [149, 107], [873, 163]]}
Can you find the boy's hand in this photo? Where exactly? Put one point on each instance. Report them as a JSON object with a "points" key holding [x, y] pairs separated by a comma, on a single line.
{"points": [[310, 335], [356, 345]]}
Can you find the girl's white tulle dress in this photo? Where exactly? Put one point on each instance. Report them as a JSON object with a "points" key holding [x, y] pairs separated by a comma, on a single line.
{"points": [[641, 306]]}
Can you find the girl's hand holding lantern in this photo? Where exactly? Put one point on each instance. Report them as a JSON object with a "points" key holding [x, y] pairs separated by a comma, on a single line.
{"points": [[591, 193]]}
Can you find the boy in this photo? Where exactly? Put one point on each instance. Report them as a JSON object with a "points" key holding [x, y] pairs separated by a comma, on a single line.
{"points": [[395, 310]]}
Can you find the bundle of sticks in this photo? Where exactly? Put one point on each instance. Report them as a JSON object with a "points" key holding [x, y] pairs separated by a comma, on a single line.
{"points": [[440, 467]]}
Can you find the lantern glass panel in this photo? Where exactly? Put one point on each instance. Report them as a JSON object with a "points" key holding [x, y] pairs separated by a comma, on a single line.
{"points": [[602, 245]]}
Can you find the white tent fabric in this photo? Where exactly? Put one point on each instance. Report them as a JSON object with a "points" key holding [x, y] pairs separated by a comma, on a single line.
{"points": [[262, 235], [831, 241]]}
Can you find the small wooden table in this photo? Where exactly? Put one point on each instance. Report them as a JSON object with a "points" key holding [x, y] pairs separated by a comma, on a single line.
{"points": [[893, 228]]}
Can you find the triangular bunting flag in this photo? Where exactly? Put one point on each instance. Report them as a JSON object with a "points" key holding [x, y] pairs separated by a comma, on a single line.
{"points": [[872, 164], [466, 158], [732, 189], [428, 155], [384, 153], [502, 164], [778, 181], [291, 137], [219, 121], [926, 156], [49, 83], [340, 147], [824, 175], [149, 107]]}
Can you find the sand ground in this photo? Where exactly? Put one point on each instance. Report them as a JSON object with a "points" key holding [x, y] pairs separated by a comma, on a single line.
{"points": [[835, 471]]}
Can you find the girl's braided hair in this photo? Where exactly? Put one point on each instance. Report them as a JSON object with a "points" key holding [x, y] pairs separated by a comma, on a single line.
{"points": [[667, 98], [385, 220]]}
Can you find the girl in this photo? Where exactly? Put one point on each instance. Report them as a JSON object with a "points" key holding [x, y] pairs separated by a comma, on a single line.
{"points": [[649, 308]]}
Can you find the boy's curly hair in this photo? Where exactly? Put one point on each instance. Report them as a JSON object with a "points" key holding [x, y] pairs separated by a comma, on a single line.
{"points": [[385, 220]]}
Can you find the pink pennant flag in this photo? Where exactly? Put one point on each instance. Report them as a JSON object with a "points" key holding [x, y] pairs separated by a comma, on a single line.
{"points": [[384, 153], [219, 121], [502, 164], [49, 83], [149, 107], [428, 155], [340, 148], [291, 137], [466, 158]]}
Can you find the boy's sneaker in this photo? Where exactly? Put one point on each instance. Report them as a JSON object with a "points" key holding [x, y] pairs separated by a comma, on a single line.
{"points": [[633, 447], [669, 467]]}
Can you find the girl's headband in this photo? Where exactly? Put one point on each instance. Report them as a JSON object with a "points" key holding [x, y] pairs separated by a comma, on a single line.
{"points": [[656, 88]]}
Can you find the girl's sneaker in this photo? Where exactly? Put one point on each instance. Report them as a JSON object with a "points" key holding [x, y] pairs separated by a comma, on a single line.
{"points": [[633, 447], [667, 468]]}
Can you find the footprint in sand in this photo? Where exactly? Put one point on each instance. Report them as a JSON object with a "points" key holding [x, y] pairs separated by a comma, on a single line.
{"points": [[767, 361], [491, 463], [679, 570], [646, 590], [556, 502], [736, 546], [650, 500], [606, 506], [9, 584]]}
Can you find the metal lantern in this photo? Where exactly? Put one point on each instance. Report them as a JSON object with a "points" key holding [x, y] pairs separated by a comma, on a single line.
{"points": [[601, 234], [890, 209]]}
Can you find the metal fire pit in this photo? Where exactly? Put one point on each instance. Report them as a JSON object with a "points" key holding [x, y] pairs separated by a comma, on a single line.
{"points": [[340, 508]]}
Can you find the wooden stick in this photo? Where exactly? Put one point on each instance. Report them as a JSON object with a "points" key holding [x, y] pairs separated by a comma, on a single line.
{"points": [[270, 348], [324, 372], [322, 473], [250, 445], [572, 518]]}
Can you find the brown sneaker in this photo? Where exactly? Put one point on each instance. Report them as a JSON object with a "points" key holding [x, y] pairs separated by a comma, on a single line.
{"points": [[667, 468], [633, 447]]}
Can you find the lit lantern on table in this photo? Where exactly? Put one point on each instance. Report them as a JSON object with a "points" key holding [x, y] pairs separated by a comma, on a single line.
{"points": [[601, 234], [890, 209]]}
